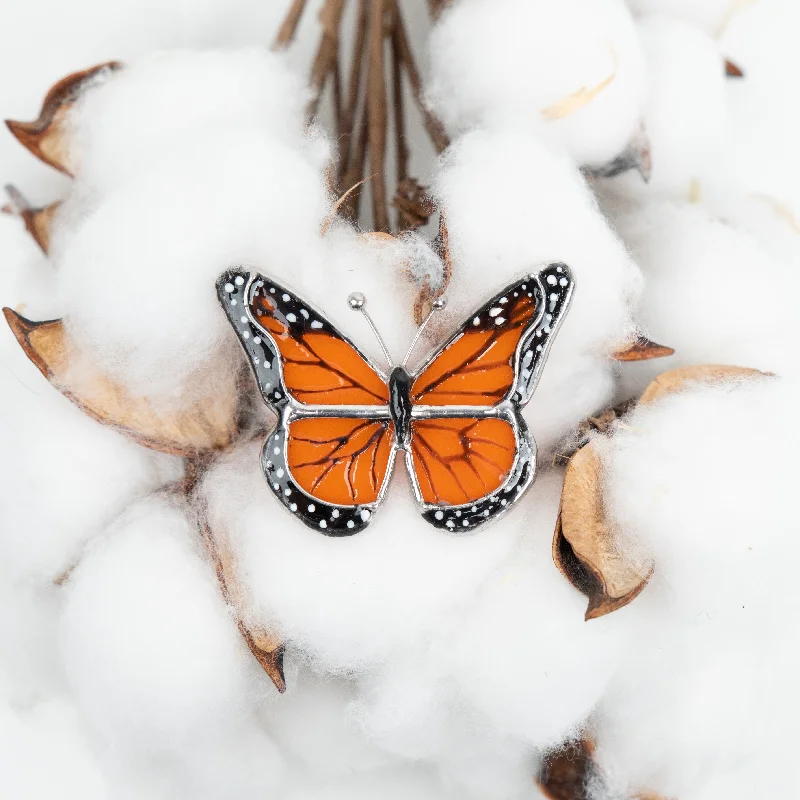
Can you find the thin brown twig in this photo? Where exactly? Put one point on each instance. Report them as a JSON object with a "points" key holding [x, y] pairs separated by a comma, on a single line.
{"points": [[355, 170], [348, 120], [330, 18], [377, 117], [289, 25], [433, 124], [397, 96]]}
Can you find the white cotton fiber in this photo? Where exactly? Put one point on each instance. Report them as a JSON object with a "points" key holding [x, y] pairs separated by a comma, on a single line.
{"points": [[570, 72], [704, 482], [163, 102], [710, 15], [513, 206], [64, 475], [150, 648], [712, 292], [524, 656], [137, 281], [347, 602], [686, 112], [46, 753]]}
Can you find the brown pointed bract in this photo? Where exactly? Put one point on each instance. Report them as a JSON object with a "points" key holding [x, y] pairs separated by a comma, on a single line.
{"points": [[38, 221], [208, 425], [266, 646], [46, 136], [642, 350]]}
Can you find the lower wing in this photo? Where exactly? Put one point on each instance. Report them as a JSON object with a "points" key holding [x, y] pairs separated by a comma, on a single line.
{"points": [[330, 472], [469, 470]]}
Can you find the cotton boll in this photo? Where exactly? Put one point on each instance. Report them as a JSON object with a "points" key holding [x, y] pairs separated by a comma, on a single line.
{"points": [[348, 602], [701, 274], [710, 15], [65, 476], [513, 206], [723, 592], [48, 734], [64, 42], [160, 102], [335, 745], [138, 280], [149, 646], [686, 114], [524, 656], [534, 62], [763, 126]]}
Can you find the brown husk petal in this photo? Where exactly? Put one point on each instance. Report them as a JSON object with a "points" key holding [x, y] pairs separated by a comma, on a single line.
{"points": [[38, 221], [678, 379], [266, 646], [208, 425], [585, 545], [46, 137], [642, 350]]}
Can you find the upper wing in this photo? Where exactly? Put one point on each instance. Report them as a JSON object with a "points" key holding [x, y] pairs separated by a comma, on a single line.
{"points": [[499, 351], [293, 349]]}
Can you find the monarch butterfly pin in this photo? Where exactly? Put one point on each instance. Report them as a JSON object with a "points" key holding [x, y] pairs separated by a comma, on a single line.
{"points": [[342, 420]]}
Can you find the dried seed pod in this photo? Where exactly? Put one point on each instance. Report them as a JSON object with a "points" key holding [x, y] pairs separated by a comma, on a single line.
{"points": [[642, 350], [47, 136], [38, 221], [585, 544], [209, 424], [567, 771]]}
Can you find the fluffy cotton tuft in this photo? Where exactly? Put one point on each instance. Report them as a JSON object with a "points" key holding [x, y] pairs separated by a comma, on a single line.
{"points": [[723, 593], [571, 72], [699, 271], [512, 205], [159, 104], [149, 646]]}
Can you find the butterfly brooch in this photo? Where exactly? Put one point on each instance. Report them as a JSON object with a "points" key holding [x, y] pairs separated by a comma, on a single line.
{"points": [[342, 420]]}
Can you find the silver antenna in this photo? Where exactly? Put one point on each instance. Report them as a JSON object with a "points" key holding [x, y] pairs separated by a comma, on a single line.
{"points": [[438, 304], [358, 302]]}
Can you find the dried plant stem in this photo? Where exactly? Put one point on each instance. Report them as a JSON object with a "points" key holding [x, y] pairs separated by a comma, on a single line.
{"points": [[432, 124], [289, 26], [348, 117], [397, 97], [327, 53], [377, 116]]}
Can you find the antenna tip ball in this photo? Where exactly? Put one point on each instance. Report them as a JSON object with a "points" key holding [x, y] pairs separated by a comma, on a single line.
{"points": [[356, 301], [439, 303]]}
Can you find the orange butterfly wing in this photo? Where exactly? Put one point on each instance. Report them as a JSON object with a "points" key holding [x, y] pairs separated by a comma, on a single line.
{"points": [[471, 467], [458, 460], [319, 366], [342, 461], [476, 367]]}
